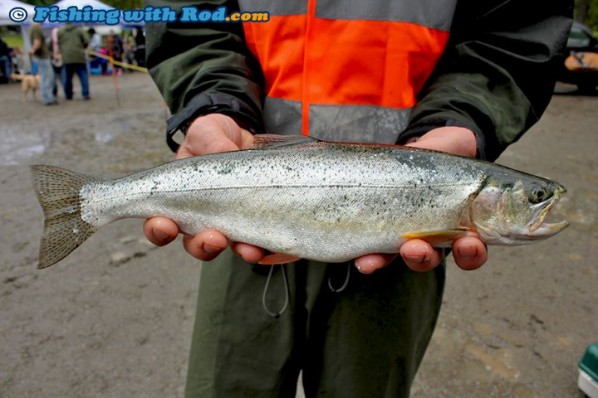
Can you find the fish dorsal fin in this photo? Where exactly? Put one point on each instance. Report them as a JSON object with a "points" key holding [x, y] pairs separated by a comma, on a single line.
{"points": [[278, 259], [441, 238], [277, 141]]}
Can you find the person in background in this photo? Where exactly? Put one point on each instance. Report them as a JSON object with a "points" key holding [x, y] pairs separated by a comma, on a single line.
{"points": [[95, 45], [139, 46], [5, 62], [468, 77], [57, 64], [114, 45], [18, 60], [95, 40], [129, 44], [41, 56], [73, 42]]}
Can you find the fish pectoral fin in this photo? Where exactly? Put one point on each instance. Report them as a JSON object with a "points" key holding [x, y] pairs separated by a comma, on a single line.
{"points": [[277, 141], [278, 259], [441, 238]]}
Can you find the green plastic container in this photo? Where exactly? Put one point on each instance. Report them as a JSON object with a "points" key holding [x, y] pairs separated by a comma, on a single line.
{"points": [[588, 372]]}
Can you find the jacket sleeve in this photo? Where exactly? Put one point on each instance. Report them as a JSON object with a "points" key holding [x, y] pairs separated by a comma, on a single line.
{"points": [[498, 72], [204, 68]]}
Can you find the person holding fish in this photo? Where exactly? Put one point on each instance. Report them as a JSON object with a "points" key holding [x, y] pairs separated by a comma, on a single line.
{"points": [[468, 78]]}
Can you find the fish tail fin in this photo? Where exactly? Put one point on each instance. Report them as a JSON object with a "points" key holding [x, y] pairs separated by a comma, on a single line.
{"points": [[58, 192]]}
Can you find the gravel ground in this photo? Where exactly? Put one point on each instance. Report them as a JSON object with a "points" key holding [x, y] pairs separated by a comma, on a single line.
{"points": [[114, 319]]}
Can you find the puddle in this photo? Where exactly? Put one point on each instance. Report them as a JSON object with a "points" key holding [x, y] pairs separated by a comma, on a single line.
{"points": [[17, 147], [106, 131], [104, 136]]}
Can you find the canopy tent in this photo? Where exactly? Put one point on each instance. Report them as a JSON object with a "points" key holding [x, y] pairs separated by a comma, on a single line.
{"points": [[65, 4], [96, 5], [7, 5], [5, 12]]}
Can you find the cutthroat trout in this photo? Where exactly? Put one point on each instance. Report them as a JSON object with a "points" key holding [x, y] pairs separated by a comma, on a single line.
{"points": [[301, 198]]}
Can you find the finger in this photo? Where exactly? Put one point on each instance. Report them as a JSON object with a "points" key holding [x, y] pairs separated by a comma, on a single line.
{"points": [[160, 231], [206, 245], [251, 254], [419, 255], [469, 253], [370, 263], [209, 142], [451, 139], [213, 141]]}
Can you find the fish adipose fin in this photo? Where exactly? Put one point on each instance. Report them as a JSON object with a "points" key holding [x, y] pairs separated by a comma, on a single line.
{"points": [[442, 238], [58, 192]]}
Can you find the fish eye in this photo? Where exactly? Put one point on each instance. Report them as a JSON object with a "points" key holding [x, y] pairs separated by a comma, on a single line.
{"points": [[539, 195]]}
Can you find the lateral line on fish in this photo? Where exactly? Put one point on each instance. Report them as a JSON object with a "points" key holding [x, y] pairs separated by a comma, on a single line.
{"points": [[277, 186]]}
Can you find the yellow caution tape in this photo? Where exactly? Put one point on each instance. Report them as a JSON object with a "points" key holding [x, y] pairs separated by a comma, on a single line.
{"points": [[117, 63]]}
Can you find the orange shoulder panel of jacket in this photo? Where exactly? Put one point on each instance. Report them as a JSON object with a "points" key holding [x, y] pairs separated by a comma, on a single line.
{"points": [[355, 62]]}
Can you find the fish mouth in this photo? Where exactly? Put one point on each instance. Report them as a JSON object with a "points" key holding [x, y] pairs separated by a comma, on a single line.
{"points": [[537, 227]]}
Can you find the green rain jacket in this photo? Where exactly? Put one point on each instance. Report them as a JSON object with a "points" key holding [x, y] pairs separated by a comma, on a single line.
{"points": [[72, 42], [35, 33], [496, 75]]}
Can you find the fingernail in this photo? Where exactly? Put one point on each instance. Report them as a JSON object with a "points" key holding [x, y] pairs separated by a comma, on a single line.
{"points": [[160, 235], [366, 265], [211, 249], [468, 251], [418, 259]]}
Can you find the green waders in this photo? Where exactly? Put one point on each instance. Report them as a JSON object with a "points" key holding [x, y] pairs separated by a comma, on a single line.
{"points": [[364, 341]]}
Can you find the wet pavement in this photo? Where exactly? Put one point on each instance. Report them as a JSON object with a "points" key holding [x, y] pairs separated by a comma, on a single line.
{"points": [[114, 319]]}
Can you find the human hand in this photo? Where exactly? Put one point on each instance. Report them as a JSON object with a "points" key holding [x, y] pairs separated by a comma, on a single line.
{"points": [[469, 252], [207, 134]]}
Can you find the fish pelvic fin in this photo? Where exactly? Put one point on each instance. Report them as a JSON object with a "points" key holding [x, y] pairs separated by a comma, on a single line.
{"points": [[442, 238], [278, 259], [58, 191]]}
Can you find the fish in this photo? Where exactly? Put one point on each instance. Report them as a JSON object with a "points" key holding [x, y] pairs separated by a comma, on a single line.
{"points": [[301, 198]]}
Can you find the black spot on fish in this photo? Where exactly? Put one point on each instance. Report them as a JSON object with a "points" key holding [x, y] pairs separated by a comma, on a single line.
{"points": [[225, 170]]}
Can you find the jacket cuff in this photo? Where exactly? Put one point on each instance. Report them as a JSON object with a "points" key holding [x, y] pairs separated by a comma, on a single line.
{"points": [[423, 126], [206, 103]]}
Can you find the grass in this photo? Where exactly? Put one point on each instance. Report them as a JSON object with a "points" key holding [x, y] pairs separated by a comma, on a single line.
{"points": [[13, 40]]}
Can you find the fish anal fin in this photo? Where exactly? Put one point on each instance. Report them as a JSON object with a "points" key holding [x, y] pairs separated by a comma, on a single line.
{"points": [[441, 238], [278, 259]]}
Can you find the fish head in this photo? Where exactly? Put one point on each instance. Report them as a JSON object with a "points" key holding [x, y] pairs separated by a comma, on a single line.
{"points": [[508, 211]]}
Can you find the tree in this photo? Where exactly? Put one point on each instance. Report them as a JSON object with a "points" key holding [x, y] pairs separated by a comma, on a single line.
{"points": [[40, 2], [586, 12], [582, 10], [125, 4]]}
